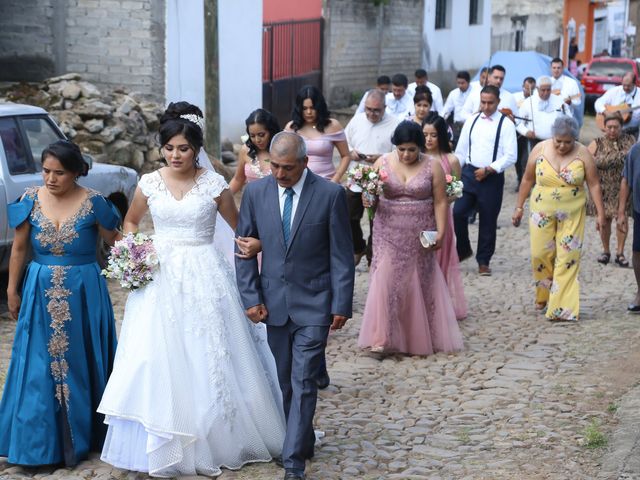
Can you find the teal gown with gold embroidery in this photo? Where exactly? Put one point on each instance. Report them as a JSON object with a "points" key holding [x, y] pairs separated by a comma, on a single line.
{"points": [[65, 339]]}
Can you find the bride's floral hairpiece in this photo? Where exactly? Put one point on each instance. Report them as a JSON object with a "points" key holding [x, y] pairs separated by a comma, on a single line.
{"points": [[193, 118]]}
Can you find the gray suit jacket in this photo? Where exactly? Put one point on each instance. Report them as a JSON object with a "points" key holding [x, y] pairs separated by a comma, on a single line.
{"points": [[311, 278]]}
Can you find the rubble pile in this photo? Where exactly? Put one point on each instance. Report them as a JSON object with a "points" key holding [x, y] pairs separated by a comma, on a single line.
{"points": [[117, 127]]}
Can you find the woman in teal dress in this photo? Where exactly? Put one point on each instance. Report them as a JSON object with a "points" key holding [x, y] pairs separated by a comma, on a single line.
{"points": [[65, 338]]}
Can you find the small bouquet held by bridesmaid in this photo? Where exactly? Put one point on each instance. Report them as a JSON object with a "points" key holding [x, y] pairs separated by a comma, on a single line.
{"points": [[454, 186], [370, 180], [132, 261]]}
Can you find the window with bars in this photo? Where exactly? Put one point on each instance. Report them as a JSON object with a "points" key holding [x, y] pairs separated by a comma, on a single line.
{"points": [[475, 12], [443, 14]]}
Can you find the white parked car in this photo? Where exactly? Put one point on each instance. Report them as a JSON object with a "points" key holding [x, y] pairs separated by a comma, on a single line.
{"points": [[25, 131]]}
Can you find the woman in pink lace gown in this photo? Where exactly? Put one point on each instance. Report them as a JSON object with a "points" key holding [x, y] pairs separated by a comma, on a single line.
{"points": [[253, 161], [310, 119], [437, 142], [408, 307]]}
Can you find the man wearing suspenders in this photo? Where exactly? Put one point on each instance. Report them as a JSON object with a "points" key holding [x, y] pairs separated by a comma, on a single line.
{"points": [[486, 148]]}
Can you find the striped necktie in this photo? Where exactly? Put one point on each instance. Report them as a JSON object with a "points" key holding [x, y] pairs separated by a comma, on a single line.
{"points": [[286, 214]]}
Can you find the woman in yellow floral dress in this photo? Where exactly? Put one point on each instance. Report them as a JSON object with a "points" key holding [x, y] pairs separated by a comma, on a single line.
{"points": [[557, 170]]}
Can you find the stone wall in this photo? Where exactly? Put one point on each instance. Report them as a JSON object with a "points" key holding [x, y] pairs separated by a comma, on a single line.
{"points": [[363, 41], [27, 49], [108, 42]]}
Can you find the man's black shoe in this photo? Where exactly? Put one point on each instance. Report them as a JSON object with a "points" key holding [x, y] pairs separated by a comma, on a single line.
{"points": [[323, 381]]}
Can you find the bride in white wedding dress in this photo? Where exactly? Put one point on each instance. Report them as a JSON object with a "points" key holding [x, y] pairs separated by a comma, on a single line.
{"points": [[194, 385]]}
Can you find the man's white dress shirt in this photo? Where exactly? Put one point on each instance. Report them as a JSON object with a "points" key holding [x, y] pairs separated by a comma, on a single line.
{"points": [[455, 103], [542, 114], [400, 108], [617, 96], [297, 190], [565, 87], [483, 137], [472, 104], [370, 138], [475, 85], [436, 93], [519, 98]]}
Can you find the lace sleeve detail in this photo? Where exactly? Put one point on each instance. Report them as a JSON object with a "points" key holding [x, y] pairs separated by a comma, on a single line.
{"points": [[213, 184], [149, 183]]}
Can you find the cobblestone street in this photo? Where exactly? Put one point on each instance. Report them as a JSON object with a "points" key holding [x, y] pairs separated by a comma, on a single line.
{"points": [[526, 399]]}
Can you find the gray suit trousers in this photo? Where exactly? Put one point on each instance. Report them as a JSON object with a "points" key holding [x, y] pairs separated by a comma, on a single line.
{"points": [[298, 351]]}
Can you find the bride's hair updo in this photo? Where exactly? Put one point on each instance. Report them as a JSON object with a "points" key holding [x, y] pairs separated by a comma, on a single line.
{"points": [[182, 118]]}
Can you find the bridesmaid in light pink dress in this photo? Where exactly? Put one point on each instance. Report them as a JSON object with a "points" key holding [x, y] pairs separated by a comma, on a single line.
{"points": [[253, 161], [408, 307], [437, 142], [310, 120]]}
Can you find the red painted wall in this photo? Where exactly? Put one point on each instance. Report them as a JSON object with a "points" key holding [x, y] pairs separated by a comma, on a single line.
{"points": [[283, 10]]}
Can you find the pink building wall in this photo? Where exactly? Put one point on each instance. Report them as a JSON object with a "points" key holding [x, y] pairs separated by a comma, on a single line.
{"points": [[283, 10]]}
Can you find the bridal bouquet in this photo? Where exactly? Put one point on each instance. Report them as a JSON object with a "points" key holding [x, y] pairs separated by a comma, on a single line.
{"points": [[370, 180], [454, 186], [132, 261]]}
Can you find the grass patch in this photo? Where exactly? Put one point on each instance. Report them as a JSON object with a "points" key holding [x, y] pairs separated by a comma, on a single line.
{"points": [[593, 437], [561, 389], [612, 408], [463, 436]]}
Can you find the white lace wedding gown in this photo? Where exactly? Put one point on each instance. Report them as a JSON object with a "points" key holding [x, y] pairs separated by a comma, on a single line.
{"points": [[194, 385]]}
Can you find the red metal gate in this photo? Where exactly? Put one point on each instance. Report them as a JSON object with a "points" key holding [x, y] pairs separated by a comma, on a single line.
{"points": [[291, 58]]}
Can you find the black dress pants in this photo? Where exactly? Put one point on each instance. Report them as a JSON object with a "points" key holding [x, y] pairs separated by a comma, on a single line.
{"points": [[356, 209], [486, 197]]}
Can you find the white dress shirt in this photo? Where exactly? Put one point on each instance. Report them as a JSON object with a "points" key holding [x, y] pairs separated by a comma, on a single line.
{"points": [[436, 93], [455, 103], [399, 108], [566, 87], [370, 138], [519, 98], [617, 96], [475, 85], [297, 190], [483, 137], [472, 104], [543, 113]]}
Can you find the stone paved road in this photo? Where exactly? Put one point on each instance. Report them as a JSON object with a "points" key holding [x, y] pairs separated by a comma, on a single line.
{"points": [[526, 399]]}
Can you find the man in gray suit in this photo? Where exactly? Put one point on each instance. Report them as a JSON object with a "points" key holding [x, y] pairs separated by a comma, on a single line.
{"points": [[305, 286]]}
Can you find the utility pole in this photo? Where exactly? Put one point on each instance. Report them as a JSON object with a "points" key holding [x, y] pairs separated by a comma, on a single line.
{"points": [[211, 79]]}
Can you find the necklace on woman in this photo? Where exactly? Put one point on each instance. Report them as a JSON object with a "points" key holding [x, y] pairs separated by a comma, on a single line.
{"points": [[185, 187]]}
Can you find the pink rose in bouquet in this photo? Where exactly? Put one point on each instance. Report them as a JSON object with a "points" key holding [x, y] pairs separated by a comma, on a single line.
{"points": [[454, 186], [370, 180]]}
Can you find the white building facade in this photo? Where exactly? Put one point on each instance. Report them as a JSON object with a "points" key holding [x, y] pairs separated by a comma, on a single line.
{"points": [[457, 36], [521, 25], [240, 59]]}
